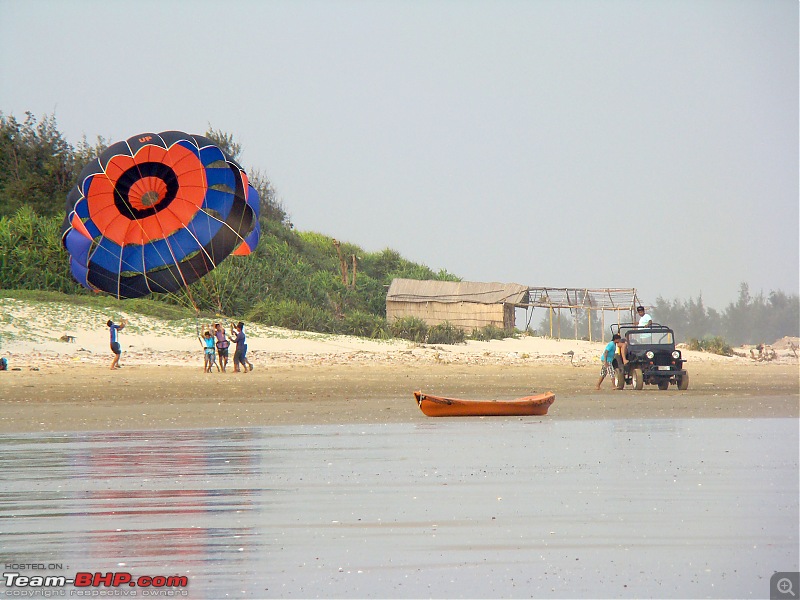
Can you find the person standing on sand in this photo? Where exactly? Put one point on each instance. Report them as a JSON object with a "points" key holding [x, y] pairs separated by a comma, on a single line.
{"points": [[114, 330], [240, 354], [607, 359], [222, 345], [209, 360]]}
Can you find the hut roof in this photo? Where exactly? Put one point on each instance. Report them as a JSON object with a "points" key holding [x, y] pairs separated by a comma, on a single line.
{"points": [[413, 290]]}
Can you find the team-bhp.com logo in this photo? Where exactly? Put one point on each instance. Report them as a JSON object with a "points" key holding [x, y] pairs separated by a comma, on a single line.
{"points": [[155, 584]]}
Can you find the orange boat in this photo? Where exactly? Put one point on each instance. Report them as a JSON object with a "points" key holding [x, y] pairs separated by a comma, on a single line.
{"points": [[436, 406]]}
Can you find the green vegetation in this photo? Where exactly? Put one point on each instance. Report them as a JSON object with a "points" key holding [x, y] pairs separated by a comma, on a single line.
{"points": [[413, 329], [749, 320], [445, 333], [491, 332], [712, 344]]}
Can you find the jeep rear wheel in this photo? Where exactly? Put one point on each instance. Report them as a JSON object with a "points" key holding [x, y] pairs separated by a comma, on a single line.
{"points": [[683, 382], [619, 379], [663, 384], [637, 380]]}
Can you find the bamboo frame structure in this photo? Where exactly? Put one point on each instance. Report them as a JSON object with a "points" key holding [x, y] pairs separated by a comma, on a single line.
{"points": [[616, 300]]}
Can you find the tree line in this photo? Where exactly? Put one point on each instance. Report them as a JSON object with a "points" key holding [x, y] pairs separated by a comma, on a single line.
{"points": [[293, 279], [299, 280], [752, 319]]}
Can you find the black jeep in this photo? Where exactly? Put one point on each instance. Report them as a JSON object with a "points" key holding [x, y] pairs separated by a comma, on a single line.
{"points": [[652, 358]]}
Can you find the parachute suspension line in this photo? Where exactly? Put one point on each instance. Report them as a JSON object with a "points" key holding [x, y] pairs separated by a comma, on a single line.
{"points": [[160, 255], [233, 273], [180, 270], [217, 291], [136, 221], [119, 269], [214, 291], [207, 259], [220, 281]]}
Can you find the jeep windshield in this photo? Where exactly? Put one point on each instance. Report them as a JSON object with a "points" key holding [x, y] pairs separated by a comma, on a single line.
{"points": [[650, 337]]}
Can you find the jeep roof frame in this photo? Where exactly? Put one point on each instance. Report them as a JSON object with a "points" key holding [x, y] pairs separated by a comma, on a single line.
{"points": [[654, 327]]}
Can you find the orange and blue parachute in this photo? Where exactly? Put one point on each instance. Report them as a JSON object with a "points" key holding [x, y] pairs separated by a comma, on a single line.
{"points": [[156, 212]]}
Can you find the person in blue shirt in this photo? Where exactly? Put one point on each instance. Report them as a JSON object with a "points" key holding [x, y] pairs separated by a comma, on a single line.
{"points": [[240, 354], [114, 330], [607, 358], [209, 352]]}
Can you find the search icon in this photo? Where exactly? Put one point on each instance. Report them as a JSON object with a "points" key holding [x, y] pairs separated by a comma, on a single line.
{"points": [[785, 586]]}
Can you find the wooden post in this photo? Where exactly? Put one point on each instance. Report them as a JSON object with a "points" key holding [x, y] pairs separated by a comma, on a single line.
{"points": [[342, 263], [603, 327], [353, 285]]}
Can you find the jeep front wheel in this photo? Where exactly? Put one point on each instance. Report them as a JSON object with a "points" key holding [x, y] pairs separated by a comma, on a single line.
{"points": [[637, 380], [619, 379], [683, 382]]}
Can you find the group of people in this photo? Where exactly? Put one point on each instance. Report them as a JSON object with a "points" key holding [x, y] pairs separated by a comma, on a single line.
{"points": [[619, 346], [214, 344], [217, 344]]}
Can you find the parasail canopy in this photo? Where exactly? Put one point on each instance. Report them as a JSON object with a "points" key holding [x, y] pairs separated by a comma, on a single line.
{"points": [[156, 212]]}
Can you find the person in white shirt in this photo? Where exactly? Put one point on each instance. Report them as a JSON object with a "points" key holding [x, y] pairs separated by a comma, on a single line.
{"points": [[645, 320]]}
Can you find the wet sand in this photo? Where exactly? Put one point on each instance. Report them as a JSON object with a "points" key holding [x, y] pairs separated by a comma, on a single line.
{"points": [[442, 508], [90, 397], [325, 480]]}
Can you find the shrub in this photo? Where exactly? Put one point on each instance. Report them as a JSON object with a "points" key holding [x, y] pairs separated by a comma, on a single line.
{"points": [[712, 344], [490, 332], [445, 333], [363, 324], [409, 328], [292, 315]]}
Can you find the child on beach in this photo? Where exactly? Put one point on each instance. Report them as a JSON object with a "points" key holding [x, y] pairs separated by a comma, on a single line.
{"points": [[209, 359]]}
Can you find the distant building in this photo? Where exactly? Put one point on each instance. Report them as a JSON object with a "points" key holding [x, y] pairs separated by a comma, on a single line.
{"points": [[465, 304]]}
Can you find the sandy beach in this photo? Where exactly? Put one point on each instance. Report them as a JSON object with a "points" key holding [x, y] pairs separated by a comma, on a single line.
{"points": [[57, 385], [316, 475]]}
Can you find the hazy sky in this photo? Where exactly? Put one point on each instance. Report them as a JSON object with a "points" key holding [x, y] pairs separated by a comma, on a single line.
{"points": [[549, 143]]}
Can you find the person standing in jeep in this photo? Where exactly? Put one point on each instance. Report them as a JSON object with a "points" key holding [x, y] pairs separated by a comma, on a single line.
{"points": [[645, 320]]}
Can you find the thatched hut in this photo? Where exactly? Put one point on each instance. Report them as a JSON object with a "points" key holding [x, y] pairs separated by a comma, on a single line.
{"points": [[465, 304]]}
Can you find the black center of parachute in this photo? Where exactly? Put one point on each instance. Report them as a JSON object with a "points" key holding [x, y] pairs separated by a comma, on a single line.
{"points": [[134, 174]]}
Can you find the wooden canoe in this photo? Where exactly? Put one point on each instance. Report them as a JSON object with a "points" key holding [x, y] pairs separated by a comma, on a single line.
{"points": [[436, 406]]}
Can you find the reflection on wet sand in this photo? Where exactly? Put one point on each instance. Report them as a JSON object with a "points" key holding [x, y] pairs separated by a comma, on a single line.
{"points": [[507, 507]]}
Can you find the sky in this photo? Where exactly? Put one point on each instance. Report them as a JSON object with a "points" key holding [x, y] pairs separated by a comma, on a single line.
{"points": [[562, 143]]}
